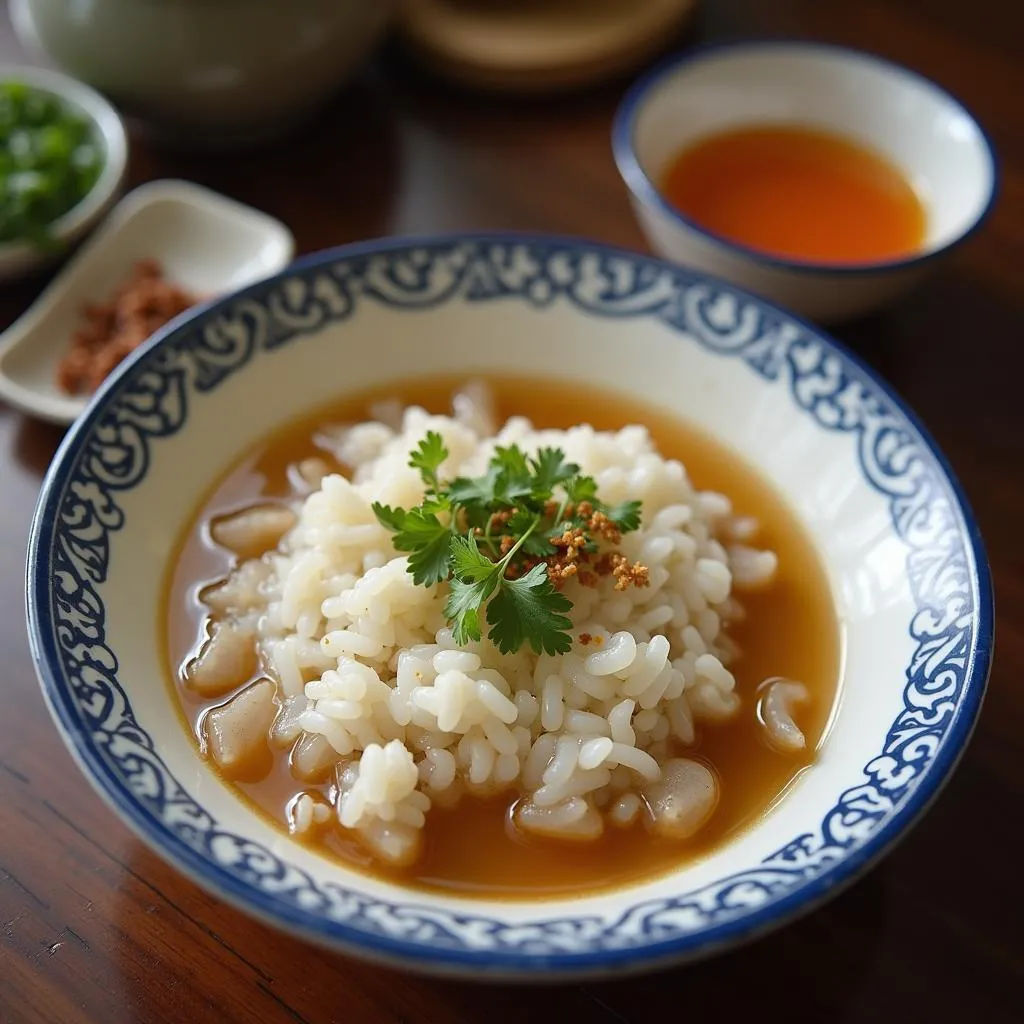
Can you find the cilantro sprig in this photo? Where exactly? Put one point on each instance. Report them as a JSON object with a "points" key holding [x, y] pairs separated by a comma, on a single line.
{"points": [[495, 538]]}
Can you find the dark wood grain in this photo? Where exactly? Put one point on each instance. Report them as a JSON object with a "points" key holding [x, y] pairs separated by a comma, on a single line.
{"points": [[93, 927]]}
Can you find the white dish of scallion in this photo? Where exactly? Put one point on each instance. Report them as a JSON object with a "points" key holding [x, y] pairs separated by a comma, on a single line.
{"points": [[63, 152]]}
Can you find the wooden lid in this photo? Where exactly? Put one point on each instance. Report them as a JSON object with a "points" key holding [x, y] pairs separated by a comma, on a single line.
{"points": [[539, 45]]}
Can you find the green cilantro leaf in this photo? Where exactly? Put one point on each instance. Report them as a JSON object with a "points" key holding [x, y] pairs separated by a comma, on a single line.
{"points": [[474, 577], [536, 544], [479, 490], [539, 546], [462, 609], [418, 528], [625, 515], [513, 464], [515, 481], [441, 538], [436, 503], [392, 519], [427, 457], [429, 540], [468, 562], [549, 470], [580, 488], [506, 482], [520, 521], [530, 609], [429, 562]]}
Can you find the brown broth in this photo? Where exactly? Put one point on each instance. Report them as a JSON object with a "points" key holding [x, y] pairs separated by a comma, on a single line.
{"points": [[790, 630], [798, 192]]}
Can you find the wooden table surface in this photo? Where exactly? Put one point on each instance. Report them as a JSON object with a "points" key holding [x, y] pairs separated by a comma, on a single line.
{"points": [[96, 928]]}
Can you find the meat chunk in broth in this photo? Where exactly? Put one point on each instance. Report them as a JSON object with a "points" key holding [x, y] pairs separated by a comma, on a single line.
{"points": [[573, 818], [226, 660], [236, 732], [312, 758], [683, 799], [310, 472], [775, 712], [253, 530], [240, 593]]}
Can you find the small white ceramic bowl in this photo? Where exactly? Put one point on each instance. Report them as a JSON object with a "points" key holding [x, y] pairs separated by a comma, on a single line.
{"points": [[906, 567], [924, 131], [20, 258], [206, 243]]}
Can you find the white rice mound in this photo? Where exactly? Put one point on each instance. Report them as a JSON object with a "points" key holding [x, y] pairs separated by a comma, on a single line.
{"points": [[370, 680]]}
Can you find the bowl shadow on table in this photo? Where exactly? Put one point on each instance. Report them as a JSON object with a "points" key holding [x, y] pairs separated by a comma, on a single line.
{"points": [[914, 342], [809, 970], [483, 113], [418, 75], [334, 180], [34, 442], [813, 967], [501, 139], [943, 348]]}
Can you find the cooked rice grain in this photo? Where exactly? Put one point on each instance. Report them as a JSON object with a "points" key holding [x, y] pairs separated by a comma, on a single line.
{"points": [[364, 662]]}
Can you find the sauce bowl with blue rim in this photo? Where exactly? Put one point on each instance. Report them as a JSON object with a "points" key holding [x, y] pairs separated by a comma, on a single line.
{"points": [[926, 134]]}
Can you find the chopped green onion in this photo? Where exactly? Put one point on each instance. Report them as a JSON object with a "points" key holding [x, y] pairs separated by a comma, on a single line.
{"points": [[50, 158]]}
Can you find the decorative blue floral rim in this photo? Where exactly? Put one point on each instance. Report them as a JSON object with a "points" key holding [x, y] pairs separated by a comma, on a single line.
{"points": [[647, 192], [107, 453]]}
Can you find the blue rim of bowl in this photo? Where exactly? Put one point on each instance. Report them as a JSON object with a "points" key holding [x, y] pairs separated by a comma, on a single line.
{"points": [[801, 899], [645, 190]]}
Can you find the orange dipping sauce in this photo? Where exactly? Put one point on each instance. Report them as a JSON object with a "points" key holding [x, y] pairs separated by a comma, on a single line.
{"points": [[798, 192]]}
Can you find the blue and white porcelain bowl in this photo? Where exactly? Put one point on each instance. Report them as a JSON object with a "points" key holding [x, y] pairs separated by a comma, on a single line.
{"points": [[902, 552]]}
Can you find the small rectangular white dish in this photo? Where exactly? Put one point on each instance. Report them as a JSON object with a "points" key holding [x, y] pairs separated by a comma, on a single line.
{"points": [[206, 243]]}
